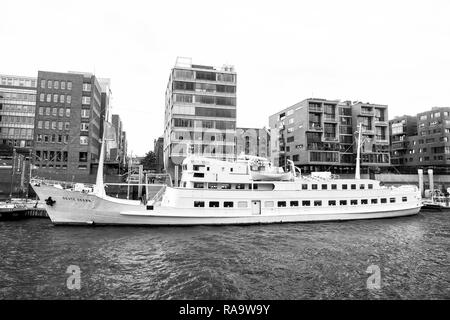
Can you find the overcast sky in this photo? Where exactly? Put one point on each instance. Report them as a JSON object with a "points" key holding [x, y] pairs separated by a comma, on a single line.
{"points": [[388, 52]]}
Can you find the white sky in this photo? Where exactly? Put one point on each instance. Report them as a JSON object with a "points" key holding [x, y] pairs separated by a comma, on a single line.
{"points": [[387, 52]]}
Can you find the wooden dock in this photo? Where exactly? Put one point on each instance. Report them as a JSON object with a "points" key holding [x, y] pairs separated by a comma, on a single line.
{"points": [[22, 213]]}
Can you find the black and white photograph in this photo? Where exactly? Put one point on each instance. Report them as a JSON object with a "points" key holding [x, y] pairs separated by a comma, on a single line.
{"points": [[224, 155]]}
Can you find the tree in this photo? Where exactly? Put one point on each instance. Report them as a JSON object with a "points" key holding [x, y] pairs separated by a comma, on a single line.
{"points": [[149, 161]]}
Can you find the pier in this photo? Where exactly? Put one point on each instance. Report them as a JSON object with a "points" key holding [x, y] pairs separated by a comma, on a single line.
{"points": [[22, 213]]}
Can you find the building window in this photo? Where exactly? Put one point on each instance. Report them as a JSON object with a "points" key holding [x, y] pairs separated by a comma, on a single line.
{"points": [[306, 203], [353, 186], [314, 186], [61, 112], [353, 202], [54, 112], [331, 202], [83, 156], [392, 200], [344, 187], [361, 186], [199, 204], [42, 84], [86, 87], [84, 126], [41, 111], [61, 98], [374, 201], [383, 200], [304, 187], [86, 100], [39, 124], [294, 203], [49, 84], [364, 201], [68, 99], [49, 97], [69, 85], [47, 124], [67, 113], [370, 186], [60, 125], [41, 97], [404, 199], [66, 126], [63, 85], [84, 140], [324, 186], [317, 203], [85, 113]]}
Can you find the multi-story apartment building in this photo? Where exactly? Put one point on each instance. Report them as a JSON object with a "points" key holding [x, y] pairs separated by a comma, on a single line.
{"points": [[253, 141], [375, 133], [401, 128], [200, 112], [306, 133], [17, 110], [67, 125], [318, 135], [428, 145]]}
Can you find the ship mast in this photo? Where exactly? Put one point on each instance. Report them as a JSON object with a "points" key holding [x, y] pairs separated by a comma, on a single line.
{"points": [[99, 186], [358, 154]]}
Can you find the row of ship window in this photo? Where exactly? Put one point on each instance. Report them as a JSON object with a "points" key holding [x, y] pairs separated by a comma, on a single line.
{"points": [[305, 186], [296, 203]]}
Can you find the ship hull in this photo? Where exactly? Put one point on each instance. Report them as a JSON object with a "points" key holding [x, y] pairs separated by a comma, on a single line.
{"points": [[76, 208]]}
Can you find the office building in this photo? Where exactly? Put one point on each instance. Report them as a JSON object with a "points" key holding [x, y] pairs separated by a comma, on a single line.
{"points": [[17, 110], [200, 112], [253, 141], [67, 125]]}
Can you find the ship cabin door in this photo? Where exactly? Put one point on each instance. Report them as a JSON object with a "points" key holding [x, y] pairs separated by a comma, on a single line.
{"points": [[256, 207]]}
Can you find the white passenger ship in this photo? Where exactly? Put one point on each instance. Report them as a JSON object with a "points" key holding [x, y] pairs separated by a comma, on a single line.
{"points": [[247, 191]]}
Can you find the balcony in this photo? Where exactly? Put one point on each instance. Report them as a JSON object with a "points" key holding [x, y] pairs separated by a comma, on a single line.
{"points": [[381, 139], [316, 126], [380, 122], [330, 138], [330, 117], [315, 109], [367, 112]]}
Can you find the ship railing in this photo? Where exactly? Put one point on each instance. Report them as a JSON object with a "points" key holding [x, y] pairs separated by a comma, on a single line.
{"points": [[158, 196], [63, 184]]}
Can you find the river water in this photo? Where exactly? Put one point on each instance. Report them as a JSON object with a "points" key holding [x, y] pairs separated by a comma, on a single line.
{"points": [[280, 261]]}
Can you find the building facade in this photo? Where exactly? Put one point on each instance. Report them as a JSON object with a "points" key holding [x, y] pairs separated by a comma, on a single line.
{"points": [[318, 135], [67, 125], [200, 112], [17, 111], [426, 146], [401, 128], [375, 134], [253, 141]]}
